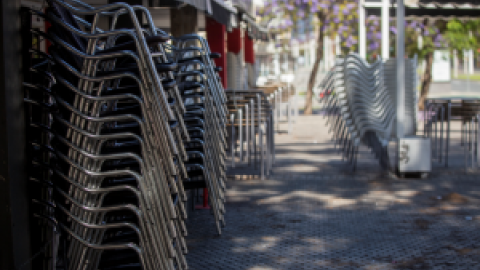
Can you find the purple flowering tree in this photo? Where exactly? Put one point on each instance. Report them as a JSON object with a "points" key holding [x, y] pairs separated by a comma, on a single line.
{"points": [[432, 37], [334, 17]]}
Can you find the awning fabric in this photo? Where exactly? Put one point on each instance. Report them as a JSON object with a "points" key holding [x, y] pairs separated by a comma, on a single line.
{"points": [[234, 41], [248, 52], [224, 14]]}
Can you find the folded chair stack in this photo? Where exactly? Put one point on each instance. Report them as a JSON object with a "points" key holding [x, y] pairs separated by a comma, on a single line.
{"points": [[206, 119], [359, 106], [126, 124]]}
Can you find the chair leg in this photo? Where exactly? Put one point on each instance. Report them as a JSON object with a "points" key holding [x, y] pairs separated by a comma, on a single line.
{"points": [[240, 134], [441, 133], [232, 140], [465, 149], [262, 154], [449, 114], [355, 158], [472, 139]]}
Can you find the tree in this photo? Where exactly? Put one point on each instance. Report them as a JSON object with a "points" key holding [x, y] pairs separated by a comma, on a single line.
{"points": [[333, 17]]}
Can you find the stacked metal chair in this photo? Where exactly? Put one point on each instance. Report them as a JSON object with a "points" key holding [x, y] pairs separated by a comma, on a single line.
{"points": [[361, 109], [115, 143], [38, 82], [343, 132], [116, 131], [206, 119]]}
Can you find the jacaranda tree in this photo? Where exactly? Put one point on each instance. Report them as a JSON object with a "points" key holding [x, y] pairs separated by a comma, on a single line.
{"points": [[333, 17], [422, 38]]}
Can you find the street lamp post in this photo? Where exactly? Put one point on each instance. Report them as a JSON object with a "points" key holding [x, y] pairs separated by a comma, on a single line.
{"points": [[362, 32], [385, 29], [400, 69]]}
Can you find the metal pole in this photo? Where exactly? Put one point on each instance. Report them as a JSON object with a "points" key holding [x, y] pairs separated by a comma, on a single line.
{"points": [[262, 152], [268, 143], [272, 141], [435, 121], [465, 145], [362, 33], [240, 132], [289, 115], [425, 110], [385, 29], [400, 69], [252, 129], [296, 104], [280, 93], [232, 140], [259, 123], [478, 141], [472, 139], [442, 119], [449, 112], [277, 108], [247, 133]]}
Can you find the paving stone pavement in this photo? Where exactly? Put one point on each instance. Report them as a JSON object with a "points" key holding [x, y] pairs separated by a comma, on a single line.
{"points": [[314, 213]]}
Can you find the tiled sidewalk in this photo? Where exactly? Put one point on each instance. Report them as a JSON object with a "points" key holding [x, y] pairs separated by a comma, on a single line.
{"points": [[313, 213]]}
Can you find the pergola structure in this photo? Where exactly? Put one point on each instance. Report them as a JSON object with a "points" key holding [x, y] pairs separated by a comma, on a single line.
{"points": [[408, 10], [413, 10]]}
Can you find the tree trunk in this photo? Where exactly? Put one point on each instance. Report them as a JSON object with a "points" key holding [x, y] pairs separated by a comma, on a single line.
{"points": [[426, 80], [313, 75]]}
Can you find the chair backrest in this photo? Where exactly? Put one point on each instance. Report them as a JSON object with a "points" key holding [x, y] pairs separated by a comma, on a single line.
{"points": [[66, 16]]}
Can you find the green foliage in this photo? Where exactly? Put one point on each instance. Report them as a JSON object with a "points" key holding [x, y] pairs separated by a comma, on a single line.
{"points": [[462, 35]]}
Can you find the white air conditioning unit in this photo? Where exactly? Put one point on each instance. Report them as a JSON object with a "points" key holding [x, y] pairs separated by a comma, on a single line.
{"points": [[414, 155]]}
